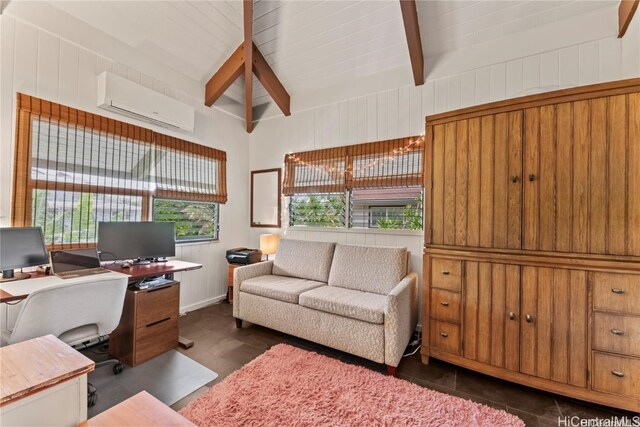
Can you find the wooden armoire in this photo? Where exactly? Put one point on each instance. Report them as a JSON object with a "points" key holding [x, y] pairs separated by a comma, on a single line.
{"points": [[532, 241]]}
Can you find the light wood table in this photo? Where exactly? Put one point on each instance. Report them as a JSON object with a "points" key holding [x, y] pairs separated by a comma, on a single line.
{"points": [[139, 410], [43, 381]]}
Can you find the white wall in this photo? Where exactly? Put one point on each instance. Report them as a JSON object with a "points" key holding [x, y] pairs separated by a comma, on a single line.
{"points": [[36, 62], [401, 112]]}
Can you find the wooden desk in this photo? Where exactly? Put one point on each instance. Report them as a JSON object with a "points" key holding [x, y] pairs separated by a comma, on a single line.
{"points": [[139, 410], [20, 289], [43, 381], [140, 271]]}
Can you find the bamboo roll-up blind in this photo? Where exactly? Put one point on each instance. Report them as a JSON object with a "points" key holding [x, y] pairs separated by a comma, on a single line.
{"points": [[318, 171], [74, 169], [188, 171], [389, 163]]}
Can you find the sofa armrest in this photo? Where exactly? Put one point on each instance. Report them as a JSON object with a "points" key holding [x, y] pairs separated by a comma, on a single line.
{"points": [[401, 317], [241, 274]]}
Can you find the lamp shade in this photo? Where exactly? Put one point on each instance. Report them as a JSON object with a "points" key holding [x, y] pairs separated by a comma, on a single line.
{"points": [[269, 243]]}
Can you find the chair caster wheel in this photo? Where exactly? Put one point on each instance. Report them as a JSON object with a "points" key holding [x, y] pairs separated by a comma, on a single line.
{"points": [[92, 395], [118, 368]]}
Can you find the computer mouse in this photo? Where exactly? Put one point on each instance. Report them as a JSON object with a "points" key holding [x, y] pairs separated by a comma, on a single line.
{"points": [[125, 265]]}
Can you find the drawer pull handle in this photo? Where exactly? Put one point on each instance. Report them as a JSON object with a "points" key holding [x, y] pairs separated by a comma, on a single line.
{"points": [[617, 332], [529, 318], [618, 374], [617, 291], [514, 179], [445, 303], [445, 272], [159, 321], [512, 315], [444, 334]]}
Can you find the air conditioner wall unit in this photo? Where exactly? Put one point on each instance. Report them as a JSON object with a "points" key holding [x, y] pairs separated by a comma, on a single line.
{"points": [[123, 96]]}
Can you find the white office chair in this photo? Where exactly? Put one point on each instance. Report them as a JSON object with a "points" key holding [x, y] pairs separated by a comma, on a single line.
{"points": [[75, 312]]}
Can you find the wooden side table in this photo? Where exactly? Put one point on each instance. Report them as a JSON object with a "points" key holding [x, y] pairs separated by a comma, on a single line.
{"points": [[232, 267], [43, 381], [139, 410]]}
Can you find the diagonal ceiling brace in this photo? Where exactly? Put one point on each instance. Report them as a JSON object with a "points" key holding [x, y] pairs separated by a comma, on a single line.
{"points": [[222, 79], [412, 31], [247, 60], [626, 9]]}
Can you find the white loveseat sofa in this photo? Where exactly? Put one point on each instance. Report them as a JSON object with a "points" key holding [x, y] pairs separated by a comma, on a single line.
{"points": [[356, 299]]}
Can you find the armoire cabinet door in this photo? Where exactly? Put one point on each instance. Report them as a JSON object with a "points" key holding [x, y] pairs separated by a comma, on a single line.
{"points": [[553, 325], [491, 314], [581, 174], [477, 182]]}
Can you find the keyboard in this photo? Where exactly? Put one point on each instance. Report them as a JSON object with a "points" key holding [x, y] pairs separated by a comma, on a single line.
{"points": [[150, 284]]}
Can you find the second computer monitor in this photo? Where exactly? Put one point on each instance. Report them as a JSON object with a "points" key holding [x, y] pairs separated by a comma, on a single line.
{"points": [[136, 240]]}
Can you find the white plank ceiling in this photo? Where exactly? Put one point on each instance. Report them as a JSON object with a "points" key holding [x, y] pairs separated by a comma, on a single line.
{"points": [[311, 45]]}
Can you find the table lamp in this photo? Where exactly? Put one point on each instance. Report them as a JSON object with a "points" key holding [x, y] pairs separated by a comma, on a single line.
{"points": [[269, 244]]}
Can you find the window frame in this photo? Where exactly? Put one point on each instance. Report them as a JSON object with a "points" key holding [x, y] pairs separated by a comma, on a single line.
{"points": [[30, 108]]}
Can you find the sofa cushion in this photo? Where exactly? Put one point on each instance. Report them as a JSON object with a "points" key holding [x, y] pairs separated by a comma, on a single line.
{"points": [[304, 259], [281, 288], [368, 269], [358, 305]]}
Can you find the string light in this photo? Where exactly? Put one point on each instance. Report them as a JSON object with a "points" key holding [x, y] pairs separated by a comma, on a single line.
{"points": [[349, 169]]}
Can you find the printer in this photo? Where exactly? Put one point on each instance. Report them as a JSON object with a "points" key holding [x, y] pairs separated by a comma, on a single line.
{"points": [[243, 256]]}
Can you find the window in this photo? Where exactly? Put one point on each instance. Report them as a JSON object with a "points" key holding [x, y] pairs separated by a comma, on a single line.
{"points": [[317, 210], [195, 221], [74, 169], [386, 208], [379, 182]]}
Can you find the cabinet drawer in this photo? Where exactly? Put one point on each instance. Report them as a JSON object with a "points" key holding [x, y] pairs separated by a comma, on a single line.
{"points": [[446, 274], [157, 304], [616, 292], [616, 374], [616, 333], [156, 339], [445, 337], [445, 305]]}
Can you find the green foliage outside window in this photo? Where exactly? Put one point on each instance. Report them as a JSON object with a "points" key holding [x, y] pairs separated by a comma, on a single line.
{"points": [[194, 220], [411, 218], [317, 210]]}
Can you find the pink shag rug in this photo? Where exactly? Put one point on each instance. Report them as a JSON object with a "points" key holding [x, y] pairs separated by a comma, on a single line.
{"points": [[287, 386]]}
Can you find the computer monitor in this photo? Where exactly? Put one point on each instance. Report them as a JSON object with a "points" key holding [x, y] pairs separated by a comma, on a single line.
{"points": [[21, 247], [139, 241]]}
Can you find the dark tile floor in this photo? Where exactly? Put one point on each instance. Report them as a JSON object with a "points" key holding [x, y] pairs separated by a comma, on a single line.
{"points": [[220, 346]]}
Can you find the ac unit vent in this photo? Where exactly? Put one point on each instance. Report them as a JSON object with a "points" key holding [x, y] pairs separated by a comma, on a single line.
{"points": [[122, 96]]}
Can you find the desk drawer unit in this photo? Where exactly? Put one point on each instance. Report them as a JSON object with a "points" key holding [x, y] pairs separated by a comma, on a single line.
{"points": [[157, 304], [156, 338], [148, 326]]}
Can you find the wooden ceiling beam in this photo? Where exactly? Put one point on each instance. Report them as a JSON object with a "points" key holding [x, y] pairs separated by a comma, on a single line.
{"points": [[222, 79], [270, 81], [412, 30], [248, 61], [626, 9]]}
